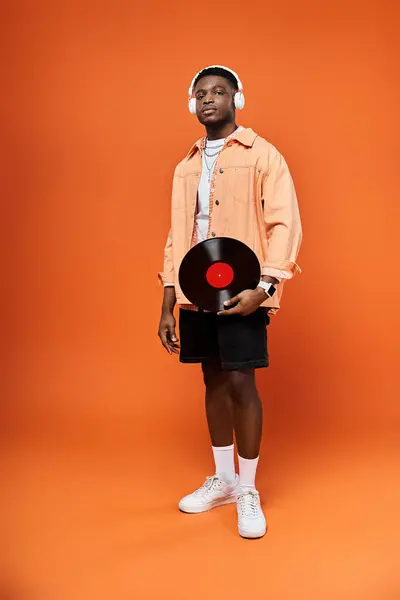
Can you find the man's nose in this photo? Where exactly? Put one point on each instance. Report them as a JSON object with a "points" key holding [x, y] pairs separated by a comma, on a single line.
{"points": [[208, 98]]}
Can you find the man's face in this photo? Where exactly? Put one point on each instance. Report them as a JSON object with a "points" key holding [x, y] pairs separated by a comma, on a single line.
{"points": [[214, 100]]}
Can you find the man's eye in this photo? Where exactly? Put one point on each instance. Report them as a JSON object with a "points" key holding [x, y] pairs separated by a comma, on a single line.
{"points": [[199, 97], [220, 93]]}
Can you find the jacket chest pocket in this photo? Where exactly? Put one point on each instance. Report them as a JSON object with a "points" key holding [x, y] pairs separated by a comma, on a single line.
{"points": [[186, 199], [241, 184]]}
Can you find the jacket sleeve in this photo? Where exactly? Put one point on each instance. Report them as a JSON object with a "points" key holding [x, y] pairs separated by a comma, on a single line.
{"points": [[283, 231], [167, 276]]}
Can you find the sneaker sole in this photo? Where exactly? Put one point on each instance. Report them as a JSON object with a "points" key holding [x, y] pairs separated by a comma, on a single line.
{"points": [[207, 507], [250, 535]]}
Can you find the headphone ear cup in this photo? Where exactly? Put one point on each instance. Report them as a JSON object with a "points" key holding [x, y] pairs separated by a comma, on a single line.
{"points": [[192, 106], [239, 100]]}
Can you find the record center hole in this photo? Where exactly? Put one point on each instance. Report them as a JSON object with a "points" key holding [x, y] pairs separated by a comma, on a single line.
{"points": [[219, 275]]}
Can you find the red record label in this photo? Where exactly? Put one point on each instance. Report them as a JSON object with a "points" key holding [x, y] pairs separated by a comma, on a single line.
{"points": [[220, 275]]}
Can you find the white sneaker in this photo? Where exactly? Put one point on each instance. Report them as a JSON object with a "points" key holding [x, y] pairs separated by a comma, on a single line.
{"points": [[251, 520], [214, 492]]}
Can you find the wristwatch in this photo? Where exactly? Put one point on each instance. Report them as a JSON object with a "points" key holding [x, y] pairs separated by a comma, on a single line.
{"points": [[268, 288]]}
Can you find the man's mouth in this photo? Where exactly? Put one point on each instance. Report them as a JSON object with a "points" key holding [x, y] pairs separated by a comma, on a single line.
{"points": [[208, 110]]}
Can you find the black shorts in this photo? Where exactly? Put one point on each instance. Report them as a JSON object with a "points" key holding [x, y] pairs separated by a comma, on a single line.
{"points": [[236, 342]]}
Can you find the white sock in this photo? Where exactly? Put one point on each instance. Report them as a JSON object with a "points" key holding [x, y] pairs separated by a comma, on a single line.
{"points": [[225, 462], [247, 472]]}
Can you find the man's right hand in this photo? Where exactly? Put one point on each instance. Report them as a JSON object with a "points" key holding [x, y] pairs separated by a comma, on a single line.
{"points": [[166, 332]]}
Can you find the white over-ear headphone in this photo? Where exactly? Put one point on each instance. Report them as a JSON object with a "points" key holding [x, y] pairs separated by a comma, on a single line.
{"points": [[238, 98]]}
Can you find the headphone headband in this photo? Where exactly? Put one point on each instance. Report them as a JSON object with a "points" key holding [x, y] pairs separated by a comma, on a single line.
{"points": [[240, 86]]}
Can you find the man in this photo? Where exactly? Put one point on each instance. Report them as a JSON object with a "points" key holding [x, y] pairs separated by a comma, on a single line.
{"points": [[232, 184]]}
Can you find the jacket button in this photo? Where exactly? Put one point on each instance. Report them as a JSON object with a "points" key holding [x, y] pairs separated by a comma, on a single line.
{"points": [[217, 202], [213, 233], [221, 171]]}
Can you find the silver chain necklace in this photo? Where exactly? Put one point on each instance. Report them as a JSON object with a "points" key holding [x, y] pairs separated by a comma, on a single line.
{"points": [[218, 148], [209, 169], [214, 154], [212, 148]]}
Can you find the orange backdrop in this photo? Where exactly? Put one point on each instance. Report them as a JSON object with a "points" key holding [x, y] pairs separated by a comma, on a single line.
{"points": [[105, 431]]}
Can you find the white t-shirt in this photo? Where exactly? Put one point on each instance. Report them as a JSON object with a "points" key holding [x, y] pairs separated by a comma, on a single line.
{"points": [[203, 194], [213, 147]]}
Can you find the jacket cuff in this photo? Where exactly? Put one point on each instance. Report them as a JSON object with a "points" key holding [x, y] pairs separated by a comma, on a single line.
{"points": [[166, 279], [290, 267]]}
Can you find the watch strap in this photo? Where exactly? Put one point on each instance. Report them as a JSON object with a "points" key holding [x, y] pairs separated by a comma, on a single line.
{"points": [[268, 288]]}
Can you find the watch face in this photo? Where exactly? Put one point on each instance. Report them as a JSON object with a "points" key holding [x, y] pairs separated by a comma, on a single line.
{"points": [[272, 290]]}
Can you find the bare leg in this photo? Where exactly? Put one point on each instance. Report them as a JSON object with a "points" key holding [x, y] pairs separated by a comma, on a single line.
{"points": [[218, 404], [247, 412]]}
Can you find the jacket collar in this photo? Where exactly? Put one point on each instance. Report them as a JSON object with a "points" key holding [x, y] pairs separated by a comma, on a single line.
{"points": [[246, 137]]}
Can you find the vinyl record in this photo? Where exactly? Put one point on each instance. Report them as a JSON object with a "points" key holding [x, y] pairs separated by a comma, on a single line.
{"points": [[217, 269]]}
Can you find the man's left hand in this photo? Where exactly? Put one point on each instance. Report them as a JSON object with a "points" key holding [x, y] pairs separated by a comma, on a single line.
{"points": [[246, 302]]}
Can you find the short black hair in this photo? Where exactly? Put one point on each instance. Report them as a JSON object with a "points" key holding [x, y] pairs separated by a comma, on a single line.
{"points": [[219, 72]]}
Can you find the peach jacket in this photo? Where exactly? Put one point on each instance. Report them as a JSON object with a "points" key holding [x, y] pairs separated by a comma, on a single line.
{"points": [[252, 199]]}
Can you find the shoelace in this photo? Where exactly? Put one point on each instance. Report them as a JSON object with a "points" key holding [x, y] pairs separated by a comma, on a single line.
{"points": [[249, 504], [209, 485]]}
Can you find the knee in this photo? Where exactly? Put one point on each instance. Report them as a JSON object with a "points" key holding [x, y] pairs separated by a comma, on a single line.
{"points": [[213, 376], [241, 383]]}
